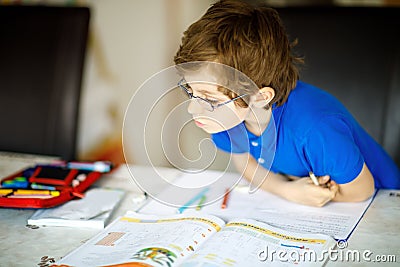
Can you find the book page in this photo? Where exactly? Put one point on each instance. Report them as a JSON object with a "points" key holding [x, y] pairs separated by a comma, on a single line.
{"points": [[337, 219], [251, 243], [141, 239], [173, 197]]}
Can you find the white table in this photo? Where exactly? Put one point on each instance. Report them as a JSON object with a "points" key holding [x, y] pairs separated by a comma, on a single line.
{"points": [[378, 232]]}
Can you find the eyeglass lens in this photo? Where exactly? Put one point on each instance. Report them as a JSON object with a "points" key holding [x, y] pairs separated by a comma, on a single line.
{"points": [[189, 92]]}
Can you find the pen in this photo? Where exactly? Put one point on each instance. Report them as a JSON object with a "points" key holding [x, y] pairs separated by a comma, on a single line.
{"points": [[292, 246], [42, 186], [313, 178], [140, 201], [193, 199], [224, 204], [98, 166], [18, 182], [36, 192], [201, 202]]}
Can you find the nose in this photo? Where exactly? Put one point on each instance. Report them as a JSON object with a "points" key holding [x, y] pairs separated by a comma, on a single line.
{"points": [[194, 107]]}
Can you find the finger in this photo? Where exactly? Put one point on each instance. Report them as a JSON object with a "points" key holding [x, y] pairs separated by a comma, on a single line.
{"points": [[327, 194], [324, 179], [324, 201], [333, 187], [333, 183]]}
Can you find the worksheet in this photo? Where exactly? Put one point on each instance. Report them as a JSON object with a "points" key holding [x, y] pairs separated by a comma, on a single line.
{"points": [[336, 219]]}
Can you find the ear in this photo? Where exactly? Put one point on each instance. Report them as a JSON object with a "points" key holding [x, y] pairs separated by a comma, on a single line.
{"points": [[263, 97]]}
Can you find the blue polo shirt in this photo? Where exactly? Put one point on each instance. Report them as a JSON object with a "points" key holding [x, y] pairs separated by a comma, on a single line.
{"points": [[313, 131]]}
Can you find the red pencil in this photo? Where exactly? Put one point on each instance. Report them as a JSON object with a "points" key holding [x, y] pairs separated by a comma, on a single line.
{"points": [[224, 204]]}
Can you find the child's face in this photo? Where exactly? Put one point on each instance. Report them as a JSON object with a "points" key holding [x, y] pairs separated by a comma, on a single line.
{"points": [[221, 118]]}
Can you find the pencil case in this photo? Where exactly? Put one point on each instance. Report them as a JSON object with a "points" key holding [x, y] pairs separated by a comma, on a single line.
{"points": [[45, 186]]}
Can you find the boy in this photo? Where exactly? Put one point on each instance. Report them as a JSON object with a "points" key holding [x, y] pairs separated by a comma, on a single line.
{"points": [[314, 132]]}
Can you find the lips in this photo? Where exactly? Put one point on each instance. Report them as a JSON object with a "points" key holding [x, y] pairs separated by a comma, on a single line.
{"points": [[199, 124]]}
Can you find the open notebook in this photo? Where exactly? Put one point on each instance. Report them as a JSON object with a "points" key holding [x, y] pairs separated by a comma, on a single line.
{"points": [[335, 219], [197, 240]]}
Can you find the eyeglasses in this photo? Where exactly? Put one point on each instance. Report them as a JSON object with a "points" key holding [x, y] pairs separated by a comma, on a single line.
{"points": [[209, 105]]}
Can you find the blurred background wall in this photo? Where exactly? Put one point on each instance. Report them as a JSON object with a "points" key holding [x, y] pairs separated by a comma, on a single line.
{"points": [[131, 40]]}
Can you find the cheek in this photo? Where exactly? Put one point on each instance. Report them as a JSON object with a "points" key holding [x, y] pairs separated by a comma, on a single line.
{"points": [[226, 119]]}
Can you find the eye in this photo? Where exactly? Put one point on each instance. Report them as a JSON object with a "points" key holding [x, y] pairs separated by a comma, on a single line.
{"points": [[212, 100], [189, 89]]}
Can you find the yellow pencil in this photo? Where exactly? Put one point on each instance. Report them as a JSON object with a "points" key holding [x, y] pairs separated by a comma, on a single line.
{"points": [[36, 192], [5, 191]]}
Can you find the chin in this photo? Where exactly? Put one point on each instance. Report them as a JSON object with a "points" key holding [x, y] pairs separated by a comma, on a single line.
{"points": [[210, 131], [216, 128], [213, 131]]}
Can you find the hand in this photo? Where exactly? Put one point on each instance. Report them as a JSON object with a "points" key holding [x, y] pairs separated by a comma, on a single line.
{"points": [[325, 181], [304, 191]]}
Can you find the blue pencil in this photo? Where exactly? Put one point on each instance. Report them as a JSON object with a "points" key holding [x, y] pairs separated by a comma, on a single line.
{"points": [[193, 199], [292, 246]]}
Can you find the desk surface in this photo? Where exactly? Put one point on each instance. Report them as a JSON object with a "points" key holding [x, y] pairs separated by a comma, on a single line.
{"points": [[377, 235]]}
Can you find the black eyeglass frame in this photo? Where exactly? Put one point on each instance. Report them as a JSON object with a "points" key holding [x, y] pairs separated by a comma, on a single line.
{"points": [[183, 85]]}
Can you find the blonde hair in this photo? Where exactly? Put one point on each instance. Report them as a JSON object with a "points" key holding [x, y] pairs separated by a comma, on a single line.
{"points": [[251, 39]]}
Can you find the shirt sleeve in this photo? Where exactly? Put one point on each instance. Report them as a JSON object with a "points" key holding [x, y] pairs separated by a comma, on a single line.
{"points": [[331, 149]]}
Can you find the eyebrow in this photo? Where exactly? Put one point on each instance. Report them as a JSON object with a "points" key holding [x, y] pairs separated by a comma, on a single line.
{"points": [[208, 93], [217, 94]]}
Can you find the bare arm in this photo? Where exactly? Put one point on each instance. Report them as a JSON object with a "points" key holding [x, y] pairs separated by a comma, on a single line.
{"points": [[301, 191], [361, 188]]}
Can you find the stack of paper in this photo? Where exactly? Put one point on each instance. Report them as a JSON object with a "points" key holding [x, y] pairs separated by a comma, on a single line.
{"points": [[92, 211]]}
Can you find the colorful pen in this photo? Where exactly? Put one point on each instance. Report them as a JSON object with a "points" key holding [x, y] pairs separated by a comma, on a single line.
{"points": [[224, 204], [192, 200], [201, 202], [42, 186], [98, 166]]}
